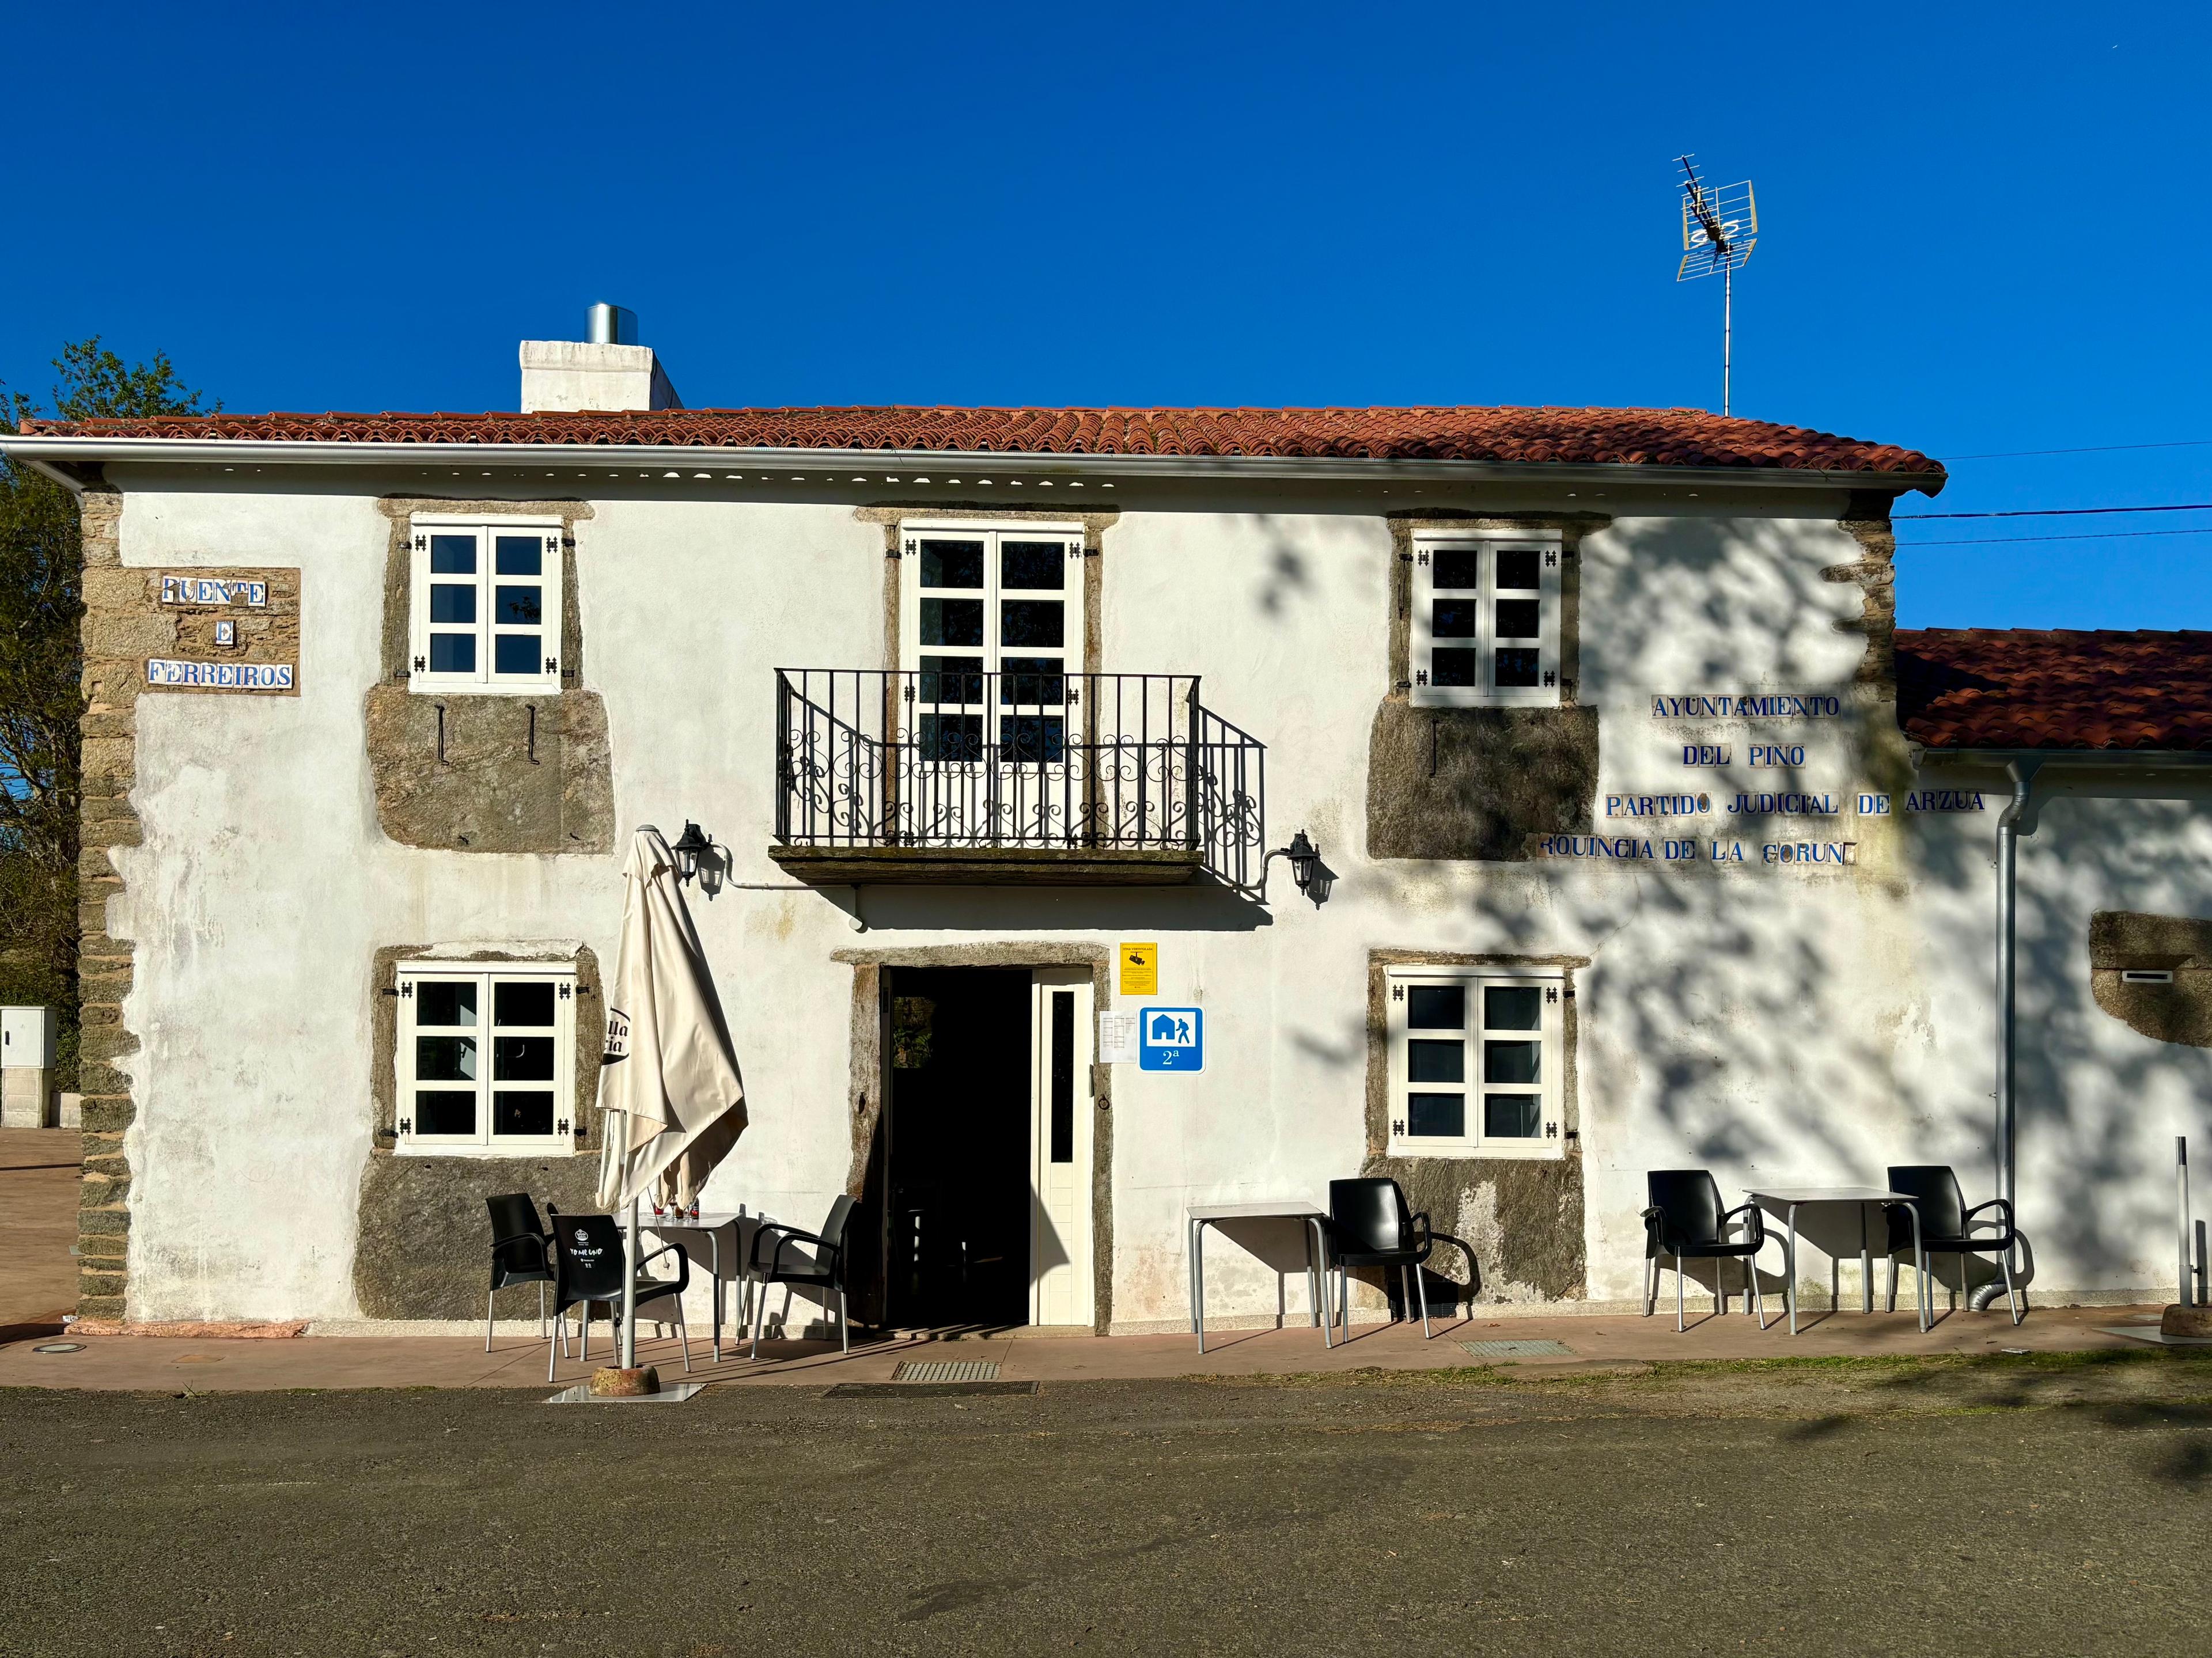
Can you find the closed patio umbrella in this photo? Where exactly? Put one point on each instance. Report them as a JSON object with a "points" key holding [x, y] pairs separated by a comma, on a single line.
{"points": [[671, 1100]]}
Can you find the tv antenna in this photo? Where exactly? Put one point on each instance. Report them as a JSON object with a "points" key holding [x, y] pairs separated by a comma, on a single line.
{"points": [[1720, 226]]}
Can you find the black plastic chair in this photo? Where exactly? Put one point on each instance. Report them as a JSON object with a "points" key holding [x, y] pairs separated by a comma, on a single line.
{"points": [[519, 1253], [824, 1270], [1686, 1222], [588, 1271], [1369, 1226], [1947, 1227]]}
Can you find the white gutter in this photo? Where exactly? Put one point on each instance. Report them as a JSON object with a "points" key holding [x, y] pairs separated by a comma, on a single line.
{"points": [[47, 450]]}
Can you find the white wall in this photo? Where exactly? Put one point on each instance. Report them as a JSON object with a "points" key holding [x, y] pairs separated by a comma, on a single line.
{"points": [[1774, 1024]]}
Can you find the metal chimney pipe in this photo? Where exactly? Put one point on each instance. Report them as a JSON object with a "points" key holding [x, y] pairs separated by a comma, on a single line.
{"points": [[611, 324]]}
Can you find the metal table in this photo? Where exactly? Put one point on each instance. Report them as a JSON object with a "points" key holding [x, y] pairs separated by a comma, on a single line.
{"points": [[712, 1223], [1791, 1198], [1200, 1216]]}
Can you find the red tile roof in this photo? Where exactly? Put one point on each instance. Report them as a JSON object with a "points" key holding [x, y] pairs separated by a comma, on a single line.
{"points": [[1650, 437], [1982, 688]]}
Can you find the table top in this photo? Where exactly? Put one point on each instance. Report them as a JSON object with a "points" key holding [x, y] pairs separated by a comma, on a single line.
{"points": [[1266, 1209], [706, 1220], [1826, 1195]]}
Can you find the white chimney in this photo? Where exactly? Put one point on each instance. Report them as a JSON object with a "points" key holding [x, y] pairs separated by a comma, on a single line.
{"points": [[610, 370]]}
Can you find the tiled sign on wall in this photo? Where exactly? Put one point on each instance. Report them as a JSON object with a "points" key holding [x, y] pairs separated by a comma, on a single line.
{"points": [[229, 630]]}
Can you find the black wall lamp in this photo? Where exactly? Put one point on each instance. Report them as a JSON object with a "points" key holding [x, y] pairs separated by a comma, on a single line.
{"points": [[690, 847], [1313, 876]]}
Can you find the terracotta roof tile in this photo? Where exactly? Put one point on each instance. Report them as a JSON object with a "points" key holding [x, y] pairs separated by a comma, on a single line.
{"points": [[1653, 437], [1980, 687]]}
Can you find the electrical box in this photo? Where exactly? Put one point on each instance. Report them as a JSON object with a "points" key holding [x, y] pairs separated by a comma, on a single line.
{"points": [[27, 1036]]}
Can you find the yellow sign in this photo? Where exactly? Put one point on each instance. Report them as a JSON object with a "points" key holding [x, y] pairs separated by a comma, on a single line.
{"points": [[1140, 969]]}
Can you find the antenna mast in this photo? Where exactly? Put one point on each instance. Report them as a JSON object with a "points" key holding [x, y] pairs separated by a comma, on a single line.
{"points": [[1720, 226]]}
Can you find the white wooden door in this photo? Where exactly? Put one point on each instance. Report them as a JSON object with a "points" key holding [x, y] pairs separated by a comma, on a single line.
{"points": [[1060, 1118]]}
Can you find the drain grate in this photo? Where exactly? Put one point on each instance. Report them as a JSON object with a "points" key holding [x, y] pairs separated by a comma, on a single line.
{"points": [[947, 1369], [925, 1389], [1519, 1349]]}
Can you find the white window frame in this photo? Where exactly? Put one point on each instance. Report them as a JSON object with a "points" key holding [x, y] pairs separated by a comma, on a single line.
{"points": [[1549, 547], [1075, 635], [486, 976], [485, 680], [1551, 1140]]}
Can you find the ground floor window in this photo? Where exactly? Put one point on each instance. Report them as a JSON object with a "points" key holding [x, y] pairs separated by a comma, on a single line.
{"points": [[1474, 1061], [486, 1057]]}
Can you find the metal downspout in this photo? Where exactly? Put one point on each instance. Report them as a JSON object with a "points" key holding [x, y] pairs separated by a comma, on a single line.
{"points": [[2022, 774]]}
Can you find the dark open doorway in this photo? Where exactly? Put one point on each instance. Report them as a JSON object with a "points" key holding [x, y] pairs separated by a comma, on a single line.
{"points": [[950, 1180]]}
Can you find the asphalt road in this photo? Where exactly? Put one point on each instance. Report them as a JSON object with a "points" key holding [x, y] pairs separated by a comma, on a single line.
{"points": [[1818, 1512]]}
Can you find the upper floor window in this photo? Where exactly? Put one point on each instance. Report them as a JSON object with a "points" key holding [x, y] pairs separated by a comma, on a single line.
{"points": [[1475, 1062], [1485, 620], [486, 1058], [486, 615], [991, 627]]}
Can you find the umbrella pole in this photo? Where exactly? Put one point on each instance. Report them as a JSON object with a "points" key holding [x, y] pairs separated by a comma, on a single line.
{"points": [[629, 1291]]}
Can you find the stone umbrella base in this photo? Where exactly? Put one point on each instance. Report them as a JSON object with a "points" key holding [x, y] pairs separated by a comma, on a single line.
{"points": [[2179, 1320]]}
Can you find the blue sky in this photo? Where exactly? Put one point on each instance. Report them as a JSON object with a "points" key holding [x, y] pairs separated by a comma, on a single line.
{"points": [[1984, 228]]}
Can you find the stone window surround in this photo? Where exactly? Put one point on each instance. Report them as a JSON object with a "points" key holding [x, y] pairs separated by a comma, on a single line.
{"points": [[556, 585], [1379, 963], [484, 770], [1552, 1033], [401, 511], [1094, 525], [589, 1034], [559, 1141], [1569, 527], [871, 1069], [1488, 547]]}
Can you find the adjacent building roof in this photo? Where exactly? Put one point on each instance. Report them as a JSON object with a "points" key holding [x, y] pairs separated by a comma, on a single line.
{"points": [[1634, 437], [1982, 688]]}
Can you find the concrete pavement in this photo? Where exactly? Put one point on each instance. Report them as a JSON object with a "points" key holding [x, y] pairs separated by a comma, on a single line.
{"points": [[40, 1170], [519, 1361]]}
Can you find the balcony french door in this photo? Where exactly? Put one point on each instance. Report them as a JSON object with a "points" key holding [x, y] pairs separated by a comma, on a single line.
{"points": [[992, 628]]}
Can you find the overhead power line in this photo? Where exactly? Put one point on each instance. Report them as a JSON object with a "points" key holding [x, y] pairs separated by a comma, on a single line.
{"points": [[2114, 535], [2066, 511], [2094, 449]]}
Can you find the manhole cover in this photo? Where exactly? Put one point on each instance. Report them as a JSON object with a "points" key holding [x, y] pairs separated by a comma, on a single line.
{"points": [[1519, 1349], [947, 1369], [60, 1347]]}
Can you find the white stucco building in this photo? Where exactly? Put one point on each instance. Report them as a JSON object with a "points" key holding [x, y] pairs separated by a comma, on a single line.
{"points": [[1630, 856]]}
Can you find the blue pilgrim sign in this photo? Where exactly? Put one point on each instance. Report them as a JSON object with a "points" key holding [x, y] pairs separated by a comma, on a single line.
{"points": [[1171, 1039]]}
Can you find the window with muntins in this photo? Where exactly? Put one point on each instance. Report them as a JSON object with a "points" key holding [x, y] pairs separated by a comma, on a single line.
{"points": [[1475, 1062], [991, 625], [1485, 621], [486, 613], [486, 1059]]}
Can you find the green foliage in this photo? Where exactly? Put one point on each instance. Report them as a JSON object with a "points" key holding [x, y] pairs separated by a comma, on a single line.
{"points": [[41, 673]]}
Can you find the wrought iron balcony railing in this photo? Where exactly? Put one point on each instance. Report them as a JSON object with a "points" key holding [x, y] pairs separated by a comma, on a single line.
{"points": [[945, 759]]}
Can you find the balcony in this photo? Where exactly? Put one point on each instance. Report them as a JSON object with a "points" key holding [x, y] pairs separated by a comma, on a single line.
{"points": [[1032, 778]]}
